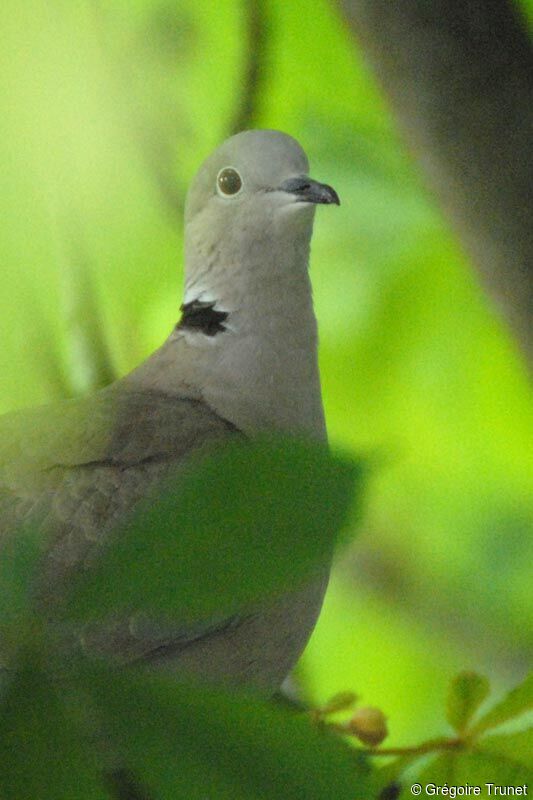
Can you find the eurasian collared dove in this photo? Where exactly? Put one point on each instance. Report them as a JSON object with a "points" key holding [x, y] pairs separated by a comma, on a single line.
{"points": [[242, 359]]}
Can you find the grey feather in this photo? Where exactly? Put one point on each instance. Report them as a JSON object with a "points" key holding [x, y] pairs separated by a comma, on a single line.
{"points": [[59, 470]]}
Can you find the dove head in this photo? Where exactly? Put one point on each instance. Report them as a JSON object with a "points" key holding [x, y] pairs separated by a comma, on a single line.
{"points": [[249, 217]]}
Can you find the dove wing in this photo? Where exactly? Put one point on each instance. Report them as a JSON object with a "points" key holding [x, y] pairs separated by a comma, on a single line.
{"points": [[77, 469]]}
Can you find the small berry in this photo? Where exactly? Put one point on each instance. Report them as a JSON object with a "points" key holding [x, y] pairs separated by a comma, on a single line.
{"points": [[369, 724]]}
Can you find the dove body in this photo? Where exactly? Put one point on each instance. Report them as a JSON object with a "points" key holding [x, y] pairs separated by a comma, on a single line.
{"points": [[242, 360]]}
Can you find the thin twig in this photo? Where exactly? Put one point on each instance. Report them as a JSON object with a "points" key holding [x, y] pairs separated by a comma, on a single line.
{"points": [[246, 113], [417, 750]]}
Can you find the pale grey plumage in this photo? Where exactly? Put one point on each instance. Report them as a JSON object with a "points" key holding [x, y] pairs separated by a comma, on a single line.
{"points": [[81, 466]]}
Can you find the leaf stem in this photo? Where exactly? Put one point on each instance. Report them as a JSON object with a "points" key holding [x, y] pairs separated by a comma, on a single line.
{"points": [[417, 750]]}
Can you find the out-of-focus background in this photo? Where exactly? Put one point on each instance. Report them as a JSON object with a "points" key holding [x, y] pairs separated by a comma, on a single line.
{"points": [[107, 109]]}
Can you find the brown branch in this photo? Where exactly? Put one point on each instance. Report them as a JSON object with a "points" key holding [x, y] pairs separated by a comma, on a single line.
{"points": [[246, 113], [459, 74]]}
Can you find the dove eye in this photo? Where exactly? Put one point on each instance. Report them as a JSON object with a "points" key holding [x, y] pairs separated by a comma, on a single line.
{"points": [[229, 181]]}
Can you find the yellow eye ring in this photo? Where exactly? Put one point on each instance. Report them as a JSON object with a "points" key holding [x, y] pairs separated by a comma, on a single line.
{"points": [[229, 182]]}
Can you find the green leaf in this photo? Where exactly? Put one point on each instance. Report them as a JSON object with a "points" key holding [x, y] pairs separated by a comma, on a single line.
{"points": [[438, 770], [341, 701], [516, 748], [248, 521], [478, 767], [41, 752], [467, 692], [503, 760], [391, 775], [515, 703], [89, 363], [184, 741], [19, 555]]}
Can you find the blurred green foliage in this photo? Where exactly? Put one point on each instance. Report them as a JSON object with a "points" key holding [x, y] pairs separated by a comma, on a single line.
{"points": [[79, 727], [72, 726], [106, 111], [254, 520]]}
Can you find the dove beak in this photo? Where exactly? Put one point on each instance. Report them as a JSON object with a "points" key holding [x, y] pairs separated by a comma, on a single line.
{"points": [[306, 190]]}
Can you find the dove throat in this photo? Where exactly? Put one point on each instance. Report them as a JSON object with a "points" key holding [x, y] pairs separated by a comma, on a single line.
{"points": [[246, 343]]}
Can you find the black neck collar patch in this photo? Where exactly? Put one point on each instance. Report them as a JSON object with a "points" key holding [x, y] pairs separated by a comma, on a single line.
{"points": [[201, 317]]}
